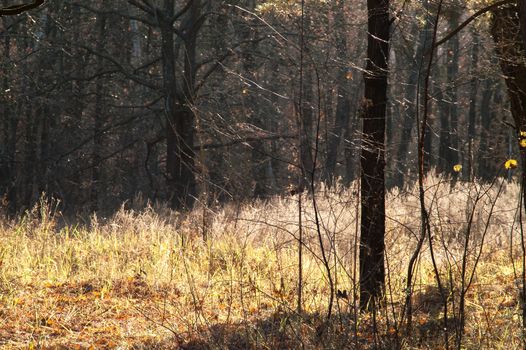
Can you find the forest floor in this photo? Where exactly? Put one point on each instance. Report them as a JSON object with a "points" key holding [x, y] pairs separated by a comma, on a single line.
{"points": [[227, 278]]}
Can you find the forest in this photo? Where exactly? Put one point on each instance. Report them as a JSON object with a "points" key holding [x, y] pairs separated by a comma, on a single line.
{"points": [[262, 174]]}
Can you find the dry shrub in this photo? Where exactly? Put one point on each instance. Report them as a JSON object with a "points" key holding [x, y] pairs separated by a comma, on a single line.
{"points": [[226, 277]]}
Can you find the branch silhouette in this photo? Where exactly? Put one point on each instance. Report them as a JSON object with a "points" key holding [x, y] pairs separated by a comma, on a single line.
{"points": [[20, 8]]}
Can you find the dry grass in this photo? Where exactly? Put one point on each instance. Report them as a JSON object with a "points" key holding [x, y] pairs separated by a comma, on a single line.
{"points": [[147, 278]]}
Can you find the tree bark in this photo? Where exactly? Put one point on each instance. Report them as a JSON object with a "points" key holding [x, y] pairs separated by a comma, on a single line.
{"points": [[179, 115], [10, 122], [98, 117], [410, 98], [343, 99], [451, 93], [469, 174], [262, 170], [522, 17], [510, 47], [372, 245], [510, 50], [306, 129], [350, 143]]}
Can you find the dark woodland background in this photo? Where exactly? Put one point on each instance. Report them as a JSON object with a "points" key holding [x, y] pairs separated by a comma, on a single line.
{"points": [[200, 101]]}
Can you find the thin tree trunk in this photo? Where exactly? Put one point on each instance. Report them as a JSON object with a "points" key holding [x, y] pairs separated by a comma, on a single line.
{"points": [[343, 99], [10, 126], [485, 155], [451, 93], [469, 174], [262, 171], [350, 143], [444, 146], [98, 116], [306, 129], [410, 98]]}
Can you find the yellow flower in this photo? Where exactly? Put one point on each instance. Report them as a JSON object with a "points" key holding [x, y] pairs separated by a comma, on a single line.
{"points": [[522, 143], [457, 168], [510, 164], [522, 133]]}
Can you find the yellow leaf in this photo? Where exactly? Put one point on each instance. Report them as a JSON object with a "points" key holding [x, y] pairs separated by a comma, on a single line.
{"points": [[522, 143], [457, 168], [510, 164]]}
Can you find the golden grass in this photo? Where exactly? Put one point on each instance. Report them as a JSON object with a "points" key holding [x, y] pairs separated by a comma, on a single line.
{"points": [[148, 279]]}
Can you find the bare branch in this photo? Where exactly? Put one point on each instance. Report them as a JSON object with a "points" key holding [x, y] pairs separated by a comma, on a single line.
{"points": [[18, 9], [471, 19], [144, 7]]}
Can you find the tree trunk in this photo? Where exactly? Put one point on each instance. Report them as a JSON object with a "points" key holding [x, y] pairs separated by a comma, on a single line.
{"points": [[444, 146], [9, 126], [469, 174], [447, 106], [522, 17], [262, 171], [510, 50], [506, 31], [414, 80], [350, 143], [179, 115], [98, 117], [343, 99], [491, 111], [451, 93], [305, 129], [372, 245]]}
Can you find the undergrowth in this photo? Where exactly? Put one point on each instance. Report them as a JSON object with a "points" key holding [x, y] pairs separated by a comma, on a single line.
{"points": [[226, 277]]}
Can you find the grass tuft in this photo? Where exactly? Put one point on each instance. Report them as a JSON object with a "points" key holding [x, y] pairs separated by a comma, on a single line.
{"points": [[147, 278]]}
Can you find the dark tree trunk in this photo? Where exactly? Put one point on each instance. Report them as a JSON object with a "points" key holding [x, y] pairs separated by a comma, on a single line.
{"points": [[449, 141], [98, 117], [45, 112], [180, 157], [350, 142], [506, 31], [27, 189], [174, 168], [343, 99], [522, 17], [444, 146], [414, 80], [451, 93], [484, 151], [179, 115], [491, 102], [372, 245], [510, 50], [428, 143], [30, 149], [305, 129], [262, 170], [469, 174], [9, 132]]}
